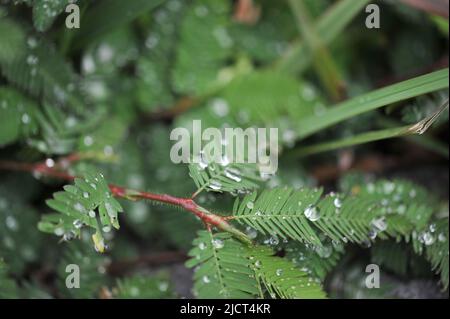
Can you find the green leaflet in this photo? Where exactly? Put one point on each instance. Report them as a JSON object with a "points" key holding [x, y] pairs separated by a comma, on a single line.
{"points": [[226, 268], [45, 12], [281, 278], [43, 73], [391, 256], [146, 287], [323, 62], [20, 243], [10, 289], [60, 131], [12, 40], [437, 249], [279, 212], [317, 261], [302, 214], [78, 204], [104, 138], [16, 116], [329, 26], [263, 96], [232, 178], [154, 89], [270, 36], [203, 48], [223, 268], [9, 121], [50, 128]]}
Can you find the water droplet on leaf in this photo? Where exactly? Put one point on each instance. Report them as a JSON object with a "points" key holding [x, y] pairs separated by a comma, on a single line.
{"points": [[312, 213]]}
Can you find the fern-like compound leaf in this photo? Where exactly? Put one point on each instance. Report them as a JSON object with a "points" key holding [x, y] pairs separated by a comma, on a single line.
{"points": [[226, 268], [86, 203], [281, 277], [437, 249], [279, 212], [302, 214], [45, 12], [229, 178], [317, 261], [222, 267]]}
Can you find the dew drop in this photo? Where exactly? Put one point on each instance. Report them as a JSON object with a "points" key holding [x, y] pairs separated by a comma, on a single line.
{"points": [[217, 243], [11, 223], [233, 174], [32, 60], [88, 64], [32, 43], [401, 209], [432, 228], [201, 11], [372, 234], [337, 202], [79, 207], [220, 107], [206, 279], [108, 150], [215, 185], [325, 251], [308, 93], [289, 137], [49, 162], [388, 188], [25, 118], [224, 161], [312, 213], [370, 188], [105, 53], [59, 231], [251, 232], [273, 240], [163, 286], [88, 140], [379, 224], [77, 223], [201, 161], [69, 236], [427, 238]]}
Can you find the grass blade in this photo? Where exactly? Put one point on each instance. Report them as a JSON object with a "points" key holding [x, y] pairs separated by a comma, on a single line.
{"points": [[329, 26], [425, 141], [417, 128], [367, 102], [323, 62]]}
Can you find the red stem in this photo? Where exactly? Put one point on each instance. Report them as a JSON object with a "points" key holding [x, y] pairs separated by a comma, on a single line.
{"points": [[122, 192]]}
